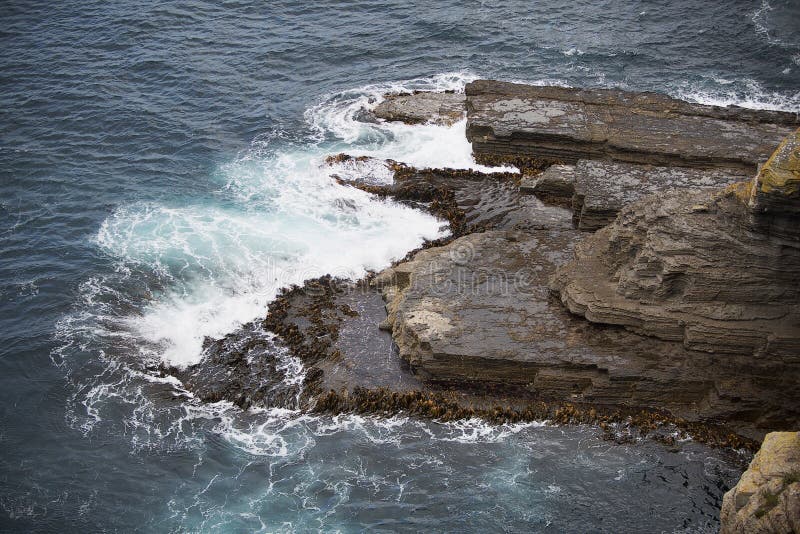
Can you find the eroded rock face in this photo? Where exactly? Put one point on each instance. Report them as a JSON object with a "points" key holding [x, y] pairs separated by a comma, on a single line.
{"points": [[507, 119], [767, 497], [701, 268], [421, 107], [685, 267]]}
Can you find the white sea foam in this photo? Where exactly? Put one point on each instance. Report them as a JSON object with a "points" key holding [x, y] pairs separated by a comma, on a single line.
{"points": [[759, 19], [746, 93], [186, 270], [278, 220]]}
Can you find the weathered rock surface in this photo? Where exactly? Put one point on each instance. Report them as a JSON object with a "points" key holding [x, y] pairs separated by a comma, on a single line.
{"points": [[421, 107], [767, 497], [775, 192], [603, 188], [507, 119], [693, 268], [684, 267]]}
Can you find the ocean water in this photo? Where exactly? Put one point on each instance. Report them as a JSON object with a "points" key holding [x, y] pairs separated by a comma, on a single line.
{"points": [[161, 179]]}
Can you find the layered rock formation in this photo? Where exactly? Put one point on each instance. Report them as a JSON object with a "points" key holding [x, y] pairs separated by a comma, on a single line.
{"points": [[700, 268], [598, 190], [477, 312], [767, 497], [508, 119]]}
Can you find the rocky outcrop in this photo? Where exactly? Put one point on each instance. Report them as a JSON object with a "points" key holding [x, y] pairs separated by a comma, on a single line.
{"points": [[690, 292], [696, 268], [476, 312], [564, 124], [421, 107], [767, 497]]}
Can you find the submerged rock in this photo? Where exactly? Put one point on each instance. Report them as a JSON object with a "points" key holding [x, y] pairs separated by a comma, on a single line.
{"points": [[246, 367], [557, 123], [767, 497]]}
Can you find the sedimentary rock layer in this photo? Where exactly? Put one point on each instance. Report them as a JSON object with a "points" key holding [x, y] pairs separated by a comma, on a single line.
{"points": [[767, 497], [701, 268], [507, 119], [686, 268]]}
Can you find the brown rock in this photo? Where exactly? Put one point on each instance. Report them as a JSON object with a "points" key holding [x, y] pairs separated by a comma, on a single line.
{"points": [[775, 192]]}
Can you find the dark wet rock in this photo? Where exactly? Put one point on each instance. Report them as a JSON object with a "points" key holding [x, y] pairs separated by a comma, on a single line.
{"points": [[359, 169], [421, 107], [247, 367], [470, 201], [556, 123], [365, 355], [767, 497], [619, 425], [478, 312]]}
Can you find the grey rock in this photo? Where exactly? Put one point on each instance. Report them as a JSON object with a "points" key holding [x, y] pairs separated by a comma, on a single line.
{"points": [[421, 107], [564, 124]]}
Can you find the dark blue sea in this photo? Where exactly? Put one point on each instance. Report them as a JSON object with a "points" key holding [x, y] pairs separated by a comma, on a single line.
{"points": [[161, 178]]}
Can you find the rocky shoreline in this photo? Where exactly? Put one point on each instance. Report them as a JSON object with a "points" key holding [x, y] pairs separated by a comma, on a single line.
{"points": [[640, 272]]}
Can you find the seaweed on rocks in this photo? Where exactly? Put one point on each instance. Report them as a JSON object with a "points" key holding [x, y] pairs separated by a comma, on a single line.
{"points": [[525, 164], [620, 425]]}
